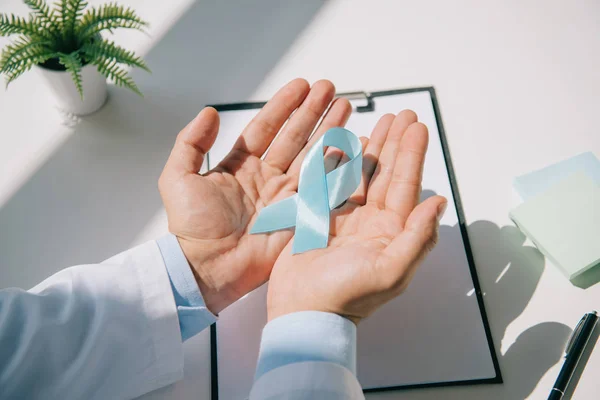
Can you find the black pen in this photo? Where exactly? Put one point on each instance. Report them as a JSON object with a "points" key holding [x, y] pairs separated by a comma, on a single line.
{"points": [[579, 339]]}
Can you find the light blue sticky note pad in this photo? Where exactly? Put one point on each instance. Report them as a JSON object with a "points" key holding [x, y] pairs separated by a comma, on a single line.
{"points": [[564, 223], [537, 182]]}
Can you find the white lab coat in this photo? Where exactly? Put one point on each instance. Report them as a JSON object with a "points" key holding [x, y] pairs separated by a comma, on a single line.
{"points": [[110, 331]]}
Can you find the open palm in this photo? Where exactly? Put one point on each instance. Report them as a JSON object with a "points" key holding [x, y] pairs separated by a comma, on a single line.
{"points": [[377, 238], [211, 214]]}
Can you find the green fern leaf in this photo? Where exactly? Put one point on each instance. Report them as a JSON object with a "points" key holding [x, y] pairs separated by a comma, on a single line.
{"points": [[72, 35], [21, 56], [19, 52], [11, 76], [71, 11], [44, 17], [119, 76], [105, 49], [14, 25], [13, 71], [72, 63], [108, 17]]}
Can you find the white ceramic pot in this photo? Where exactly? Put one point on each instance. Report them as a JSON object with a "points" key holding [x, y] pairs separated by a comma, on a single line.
{"points": [[66, 95]]}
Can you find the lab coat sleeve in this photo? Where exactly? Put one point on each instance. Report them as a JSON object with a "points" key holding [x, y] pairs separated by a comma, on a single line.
{"points": [[100, 331]]}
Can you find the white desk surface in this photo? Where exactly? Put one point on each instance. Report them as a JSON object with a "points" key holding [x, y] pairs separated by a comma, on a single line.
{"points": [[518, 85]]}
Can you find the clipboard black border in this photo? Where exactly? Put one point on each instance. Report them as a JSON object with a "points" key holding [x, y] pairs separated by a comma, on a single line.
{"points": [[463, 230]]}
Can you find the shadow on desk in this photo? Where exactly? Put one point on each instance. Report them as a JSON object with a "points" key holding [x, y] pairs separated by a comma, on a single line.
{"points": [[98, 190], [508, 273]]}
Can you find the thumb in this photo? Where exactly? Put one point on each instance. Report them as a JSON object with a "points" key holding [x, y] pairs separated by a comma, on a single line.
{"points": [[404, 254], [193, 142]]}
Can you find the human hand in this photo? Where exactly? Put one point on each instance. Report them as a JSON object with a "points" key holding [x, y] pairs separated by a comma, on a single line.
{"points": [[377, 238], [211, 214]]}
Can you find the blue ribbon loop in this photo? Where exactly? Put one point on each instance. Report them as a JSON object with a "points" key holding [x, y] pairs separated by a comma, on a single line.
{"points": [[309, 209]]}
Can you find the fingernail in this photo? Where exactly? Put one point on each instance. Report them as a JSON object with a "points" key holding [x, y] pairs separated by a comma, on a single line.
{"points": [[441, 210]]}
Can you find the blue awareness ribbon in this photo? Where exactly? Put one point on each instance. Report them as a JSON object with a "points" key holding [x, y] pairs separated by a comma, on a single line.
{"points": [[318, 194]]}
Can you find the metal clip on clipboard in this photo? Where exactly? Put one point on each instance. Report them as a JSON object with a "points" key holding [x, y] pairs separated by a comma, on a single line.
{"points": [[360, 101]]}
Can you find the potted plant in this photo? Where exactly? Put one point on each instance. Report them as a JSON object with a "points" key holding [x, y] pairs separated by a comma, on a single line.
{"points": [[65, 44]]}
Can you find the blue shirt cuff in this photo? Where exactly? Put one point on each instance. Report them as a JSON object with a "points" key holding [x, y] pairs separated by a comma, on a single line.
{"points": [[191, 308], [307, 336]]}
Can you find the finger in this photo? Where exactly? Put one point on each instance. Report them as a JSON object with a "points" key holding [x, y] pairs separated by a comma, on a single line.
{"points": [[342, 160], [296, 132], [364, 142], [338, 115], [345, 158], [335, 157], [405, 188], [382, 177], [332, 158], [193, 142], [370, 156], [257, 136], [400, 259]]}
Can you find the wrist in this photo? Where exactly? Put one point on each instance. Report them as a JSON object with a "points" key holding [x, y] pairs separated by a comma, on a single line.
{"points": [[217, 294]]}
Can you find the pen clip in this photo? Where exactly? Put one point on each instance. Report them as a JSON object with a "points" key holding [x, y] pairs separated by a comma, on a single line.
{"points": [[574, 334]]}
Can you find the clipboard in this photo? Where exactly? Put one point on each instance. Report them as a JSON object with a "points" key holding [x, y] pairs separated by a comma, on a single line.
{"points": [[384, 344]]}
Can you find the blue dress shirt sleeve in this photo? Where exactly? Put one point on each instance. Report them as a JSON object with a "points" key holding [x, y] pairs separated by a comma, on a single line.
{"points": [[193, 314], [307, 336]]}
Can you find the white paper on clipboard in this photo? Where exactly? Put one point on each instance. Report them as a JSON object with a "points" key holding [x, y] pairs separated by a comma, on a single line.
{"points": [[433, 333]]}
